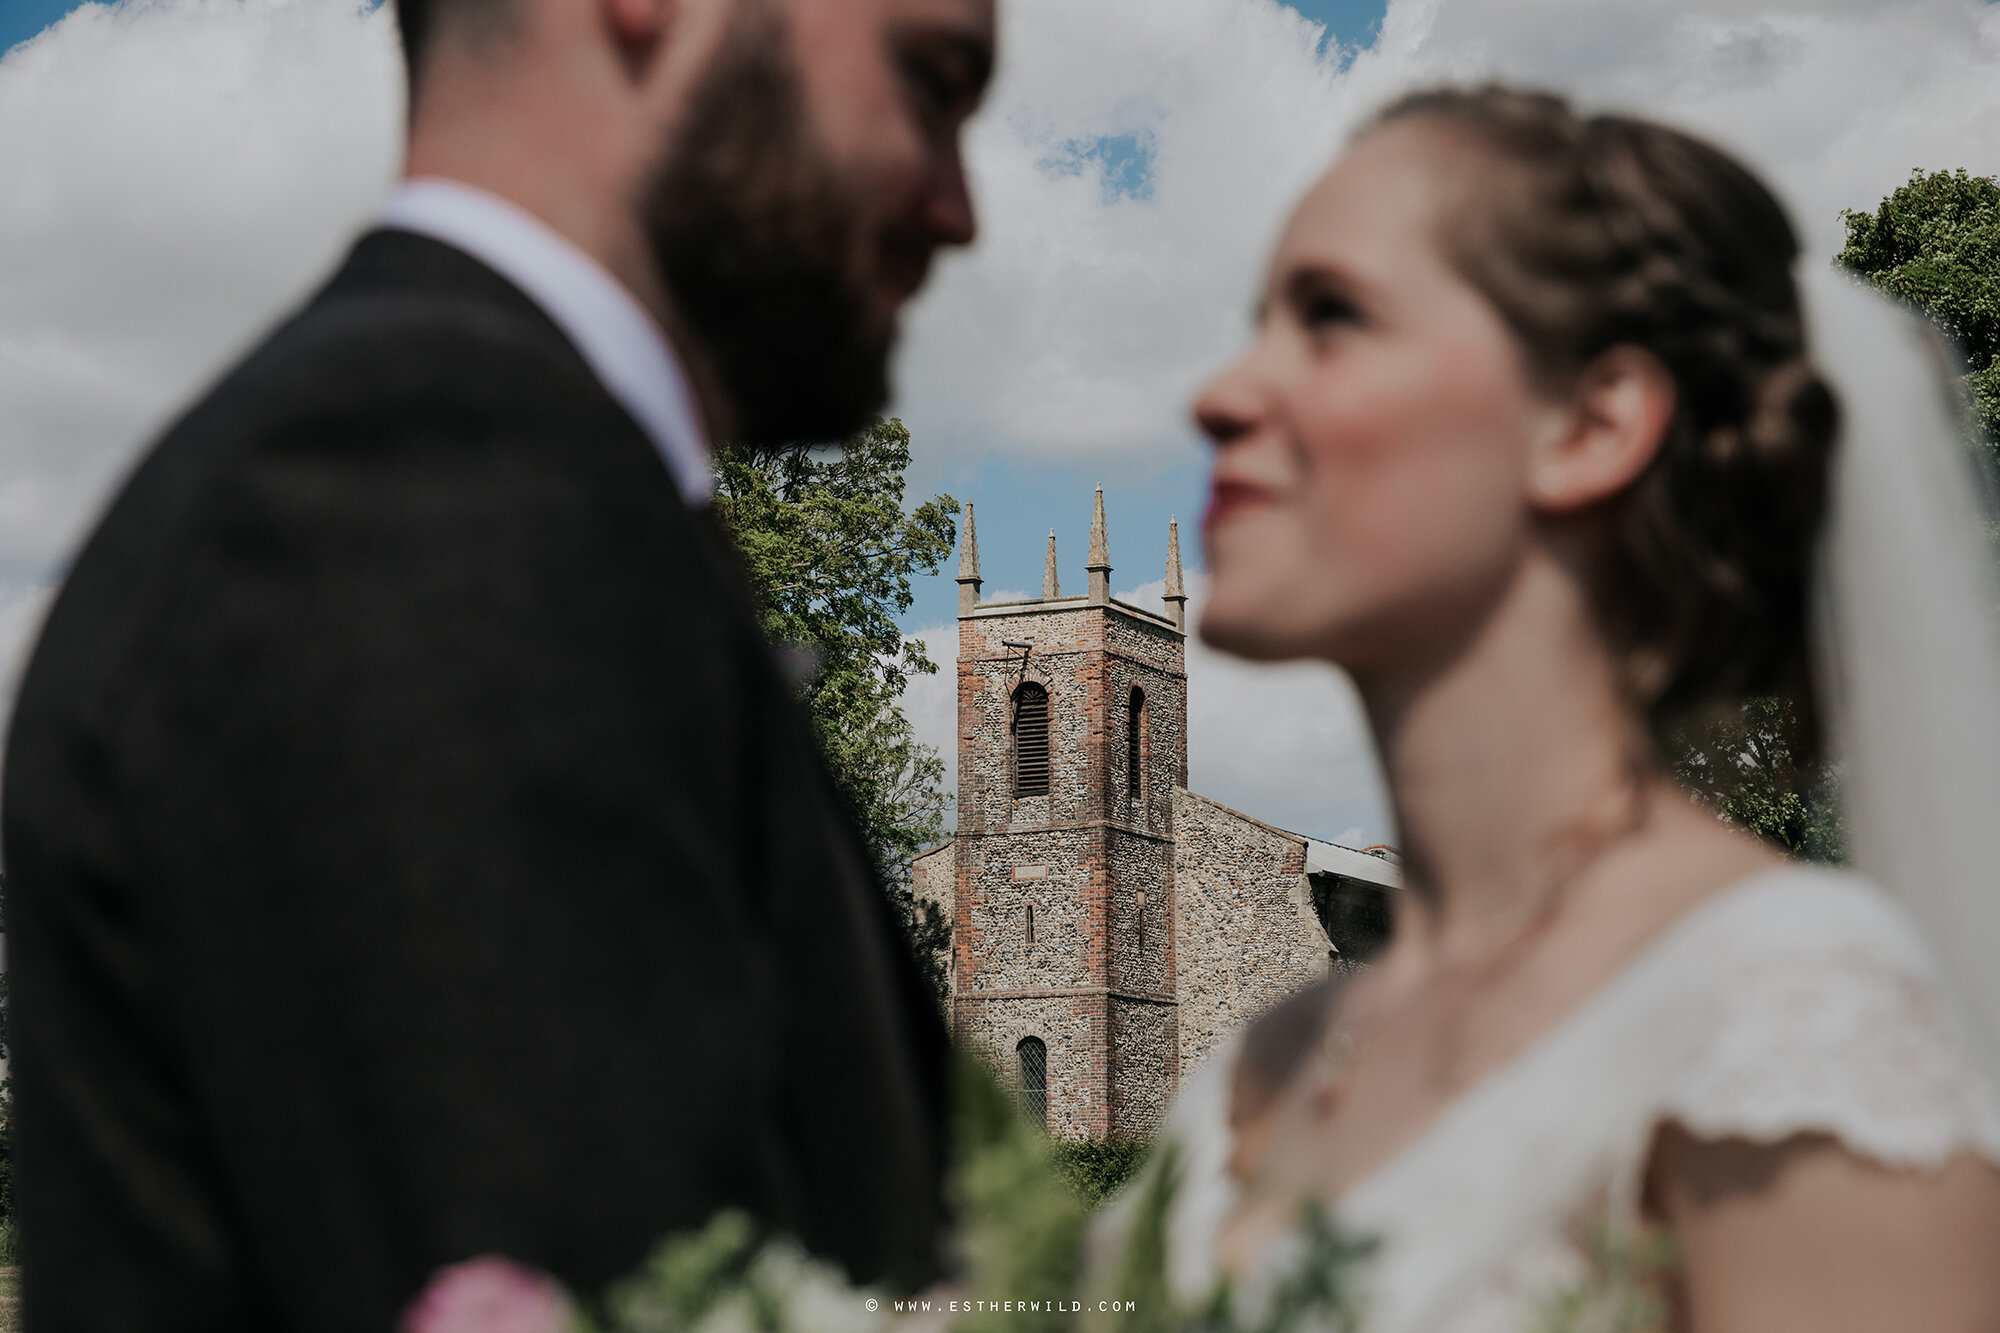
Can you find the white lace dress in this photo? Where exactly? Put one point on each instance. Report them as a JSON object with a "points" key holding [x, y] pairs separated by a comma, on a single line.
{"points": [[1799, 1000]]}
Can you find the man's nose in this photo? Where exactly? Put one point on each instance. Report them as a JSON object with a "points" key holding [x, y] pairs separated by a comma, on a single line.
{"points": [[948, 212]]}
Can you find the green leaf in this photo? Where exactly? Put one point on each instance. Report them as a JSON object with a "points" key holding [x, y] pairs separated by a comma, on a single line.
{"points": [[1935, 243]]}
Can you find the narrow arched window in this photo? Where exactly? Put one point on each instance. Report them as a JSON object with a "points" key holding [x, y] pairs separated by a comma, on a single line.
{"points": [[1135, 744], [1031, 923], [1034, 1058], [1031, 740]]}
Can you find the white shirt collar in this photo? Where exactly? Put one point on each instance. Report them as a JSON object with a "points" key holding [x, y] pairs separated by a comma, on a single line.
{"points": [[620, 342]]}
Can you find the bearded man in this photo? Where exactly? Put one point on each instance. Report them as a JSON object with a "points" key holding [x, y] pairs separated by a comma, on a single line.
{"points": [[414, 851]]}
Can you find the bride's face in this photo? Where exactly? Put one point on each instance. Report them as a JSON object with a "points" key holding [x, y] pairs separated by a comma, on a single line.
{"points": [[1370, 486]]}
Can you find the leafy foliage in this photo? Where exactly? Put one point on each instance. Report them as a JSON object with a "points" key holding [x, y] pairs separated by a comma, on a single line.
{"points": [[1021, 1240], [728, 1277], [831, 552], [1021, 1224], [1935, 242], [1098, 1168], [1624, 1288], [1023, 1212], [1316, 1292], [1747, 766]]}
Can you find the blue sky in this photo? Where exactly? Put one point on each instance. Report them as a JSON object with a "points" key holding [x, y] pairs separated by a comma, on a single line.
{"points": [[22, 19], [1351, 22]]}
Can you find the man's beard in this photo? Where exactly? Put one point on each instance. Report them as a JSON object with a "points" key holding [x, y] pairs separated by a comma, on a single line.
{"points": [[764, 250]]}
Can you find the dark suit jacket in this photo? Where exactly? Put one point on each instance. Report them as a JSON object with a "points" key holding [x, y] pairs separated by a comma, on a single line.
{"points": [[414, 853]]}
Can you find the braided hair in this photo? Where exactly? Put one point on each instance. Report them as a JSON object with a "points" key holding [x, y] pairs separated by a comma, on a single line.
{"points": [[1593, 232]]}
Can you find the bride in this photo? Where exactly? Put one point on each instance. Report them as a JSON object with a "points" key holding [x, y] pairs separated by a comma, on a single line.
{"points": [[1530, 440]]}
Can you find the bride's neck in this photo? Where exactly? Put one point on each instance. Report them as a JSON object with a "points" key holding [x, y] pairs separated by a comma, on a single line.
{"points": [[1512, 759]]}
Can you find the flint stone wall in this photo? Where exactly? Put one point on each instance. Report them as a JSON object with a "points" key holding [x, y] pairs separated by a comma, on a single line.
{"points": [[1145, 1065], [1000, 878], [1247, 933], [1076, 1031], [934, 879]]}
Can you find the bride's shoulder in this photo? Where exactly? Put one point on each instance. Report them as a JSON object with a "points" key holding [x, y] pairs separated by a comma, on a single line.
{"points": [[1802, 908], [1821, 1011]]}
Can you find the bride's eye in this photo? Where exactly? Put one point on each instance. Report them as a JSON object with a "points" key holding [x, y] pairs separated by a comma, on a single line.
{"points": [[1323, 307], [1325, 312]]}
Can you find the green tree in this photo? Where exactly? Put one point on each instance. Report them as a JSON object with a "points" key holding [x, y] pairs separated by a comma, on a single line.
{"points": [[1746, 765], [1935, 243], [831, 552]]}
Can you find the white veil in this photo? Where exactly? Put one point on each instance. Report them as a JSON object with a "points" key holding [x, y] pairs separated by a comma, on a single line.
{"points": [[1907, 637]]}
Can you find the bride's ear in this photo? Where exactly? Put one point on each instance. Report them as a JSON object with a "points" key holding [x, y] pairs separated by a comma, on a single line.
{"points": [[1618, 416]]}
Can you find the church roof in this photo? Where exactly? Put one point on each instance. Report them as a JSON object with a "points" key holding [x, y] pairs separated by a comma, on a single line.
{"points": [[1330, 858], [1325, 858]]}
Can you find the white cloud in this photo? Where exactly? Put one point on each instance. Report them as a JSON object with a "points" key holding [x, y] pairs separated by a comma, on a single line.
{"points": [[178, 171], [1085, 323], [1835, 100], [1081, 319], [931, 704], [1284, 744]]}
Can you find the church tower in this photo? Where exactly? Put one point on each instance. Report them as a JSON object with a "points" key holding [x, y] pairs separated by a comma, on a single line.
{"points": [[1072, 736]]}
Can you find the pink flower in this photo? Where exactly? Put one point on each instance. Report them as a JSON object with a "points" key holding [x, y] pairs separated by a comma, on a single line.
{"points": [[488, 1295]]}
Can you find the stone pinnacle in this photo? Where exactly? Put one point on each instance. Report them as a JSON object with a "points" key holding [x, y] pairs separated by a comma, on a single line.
{"points": [[968, 565], [1100, 553], [968, 550]]}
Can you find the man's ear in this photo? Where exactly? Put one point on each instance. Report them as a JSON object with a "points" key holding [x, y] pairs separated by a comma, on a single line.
{"points": [[1619, 414]]}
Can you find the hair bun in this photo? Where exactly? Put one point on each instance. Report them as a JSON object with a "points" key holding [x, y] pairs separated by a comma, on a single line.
{"points": [[1612, 230]]}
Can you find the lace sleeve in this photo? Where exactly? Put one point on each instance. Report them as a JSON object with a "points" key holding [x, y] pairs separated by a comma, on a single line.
{"points": [[1838, 1025]]}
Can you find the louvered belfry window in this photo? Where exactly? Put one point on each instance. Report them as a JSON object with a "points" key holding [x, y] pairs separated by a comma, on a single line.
{"points": [[1031, 740], [1135, 744], [1034, 1081]]}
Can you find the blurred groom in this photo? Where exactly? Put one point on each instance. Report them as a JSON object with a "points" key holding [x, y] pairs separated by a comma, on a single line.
{"points": [[413, 851]]}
